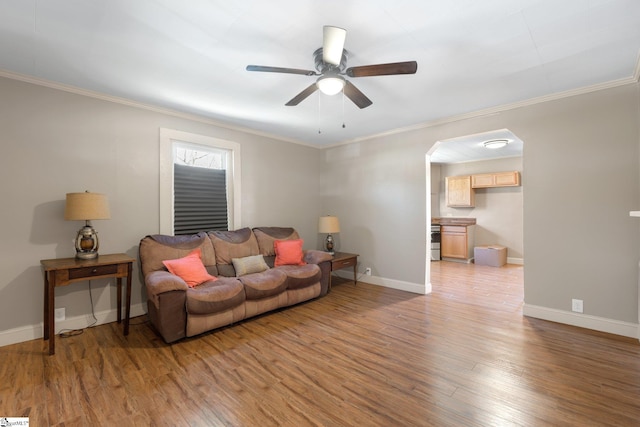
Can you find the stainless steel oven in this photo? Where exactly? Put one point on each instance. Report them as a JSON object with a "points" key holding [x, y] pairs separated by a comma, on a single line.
{"points": [[435, 242]]}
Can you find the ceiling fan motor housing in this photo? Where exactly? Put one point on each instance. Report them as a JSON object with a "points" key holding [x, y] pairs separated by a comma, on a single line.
{"points": [[324, 67]]}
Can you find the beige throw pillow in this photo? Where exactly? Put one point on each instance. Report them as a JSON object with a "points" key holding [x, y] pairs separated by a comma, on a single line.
{"points": [[249, 264]]}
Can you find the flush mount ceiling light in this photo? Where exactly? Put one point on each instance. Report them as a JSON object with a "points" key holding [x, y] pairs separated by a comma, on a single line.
{"points": [[330, 84], [495, 143]]}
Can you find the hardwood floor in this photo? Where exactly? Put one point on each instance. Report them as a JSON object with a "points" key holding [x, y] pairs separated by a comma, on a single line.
{"points": [[361, 356]]}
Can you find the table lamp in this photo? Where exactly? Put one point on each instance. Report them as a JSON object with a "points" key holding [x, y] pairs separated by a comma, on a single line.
{"points": [[329, 225], [86, 207]]}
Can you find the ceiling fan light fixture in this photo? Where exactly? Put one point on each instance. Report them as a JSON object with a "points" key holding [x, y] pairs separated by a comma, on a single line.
{"points": [[331, 65], [330, 85], [494, 144]]}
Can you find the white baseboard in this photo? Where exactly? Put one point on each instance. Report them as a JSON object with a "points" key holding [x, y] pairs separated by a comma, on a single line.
{"points": [[32, 332], [415, 288], [602, 324], [518, 261]]}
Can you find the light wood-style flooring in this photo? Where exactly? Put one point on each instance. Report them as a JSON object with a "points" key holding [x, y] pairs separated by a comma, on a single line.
{"points": [[361, 356]]}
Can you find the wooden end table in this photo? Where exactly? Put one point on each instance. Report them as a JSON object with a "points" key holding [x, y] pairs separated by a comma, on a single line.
{"points": [[64, 271], [343, 260]]}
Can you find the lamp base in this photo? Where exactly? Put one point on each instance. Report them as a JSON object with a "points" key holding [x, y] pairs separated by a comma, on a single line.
{"points": [[87, 242], [87, 255], [329, 244]]}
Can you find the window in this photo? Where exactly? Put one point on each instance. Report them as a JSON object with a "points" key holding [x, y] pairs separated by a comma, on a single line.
{"points": [[199, 189], [199, 183]]}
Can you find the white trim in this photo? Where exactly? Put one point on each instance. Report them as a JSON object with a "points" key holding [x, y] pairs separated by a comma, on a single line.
{"points": [[33, 332], [498, 109], [489, 111], [415, 288], [427, 224], [517, 261], [602, 324], [148, 107], [167, 137]]}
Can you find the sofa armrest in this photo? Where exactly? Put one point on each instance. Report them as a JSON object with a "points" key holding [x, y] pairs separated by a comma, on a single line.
{"points": [[323, 260], [158, 282], [167, 295], [313, 256]]}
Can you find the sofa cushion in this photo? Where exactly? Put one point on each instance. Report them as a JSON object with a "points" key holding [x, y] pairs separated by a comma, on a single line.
{"points": [[289, 252], [232, 244], [262, 285], [249, 265], [190, 269], [157, 248], [214, 297], [301, 276], [266, 236]]}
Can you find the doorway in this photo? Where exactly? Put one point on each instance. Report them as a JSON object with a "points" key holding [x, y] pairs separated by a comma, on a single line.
{"points": [[498, 211]]}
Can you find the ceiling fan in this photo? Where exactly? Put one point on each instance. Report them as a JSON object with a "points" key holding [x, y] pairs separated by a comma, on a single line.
{"points": [[331, 66]]}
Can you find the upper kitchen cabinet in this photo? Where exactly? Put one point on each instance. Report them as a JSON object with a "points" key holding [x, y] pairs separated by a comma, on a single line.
{"points": [[495, 179], [458, 191]]}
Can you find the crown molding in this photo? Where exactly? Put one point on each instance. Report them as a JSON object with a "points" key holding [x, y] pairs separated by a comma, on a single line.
{"points": [[501, 108], [635, 78], [149, 107]]}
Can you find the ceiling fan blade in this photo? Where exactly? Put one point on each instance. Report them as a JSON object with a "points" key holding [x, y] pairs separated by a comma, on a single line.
{"points": [[333, 44], [302, 95], [408, 67], [281, 70], [354, 94]]}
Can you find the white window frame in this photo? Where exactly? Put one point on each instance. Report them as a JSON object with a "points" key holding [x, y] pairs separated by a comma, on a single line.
{"points": [[168, 140]]}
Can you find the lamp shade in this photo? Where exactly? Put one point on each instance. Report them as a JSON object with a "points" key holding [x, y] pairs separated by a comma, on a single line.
{"points": [[86, 206], [329, 224]]}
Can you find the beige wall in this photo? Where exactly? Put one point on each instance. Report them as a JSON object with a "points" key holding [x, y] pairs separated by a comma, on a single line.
{"points": [[498, 211], [377, 190], [56, 142], [437, 187], [581, 178]]}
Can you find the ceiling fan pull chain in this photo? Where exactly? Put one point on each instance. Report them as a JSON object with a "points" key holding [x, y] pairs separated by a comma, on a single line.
{"points": [[343, 126], [319, 114]]}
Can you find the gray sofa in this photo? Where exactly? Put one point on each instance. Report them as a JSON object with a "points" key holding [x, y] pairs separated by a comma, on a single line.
{"points": [[177, 310]]}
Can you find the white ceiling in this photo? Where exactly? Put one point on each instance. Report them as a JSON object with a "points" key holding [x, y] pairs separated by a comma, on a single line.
{"points": [[191, 56], [470, 148]]}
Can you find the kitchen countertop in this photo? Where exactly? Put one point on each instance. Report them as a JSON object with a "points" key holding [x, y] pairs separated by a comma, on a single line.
{"points": [[446, 220]]}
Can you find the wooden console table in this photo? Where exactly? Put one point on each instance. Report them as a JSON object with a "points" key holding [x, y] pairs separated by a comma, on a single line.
{"points": [[63, 271], [343, 260]]}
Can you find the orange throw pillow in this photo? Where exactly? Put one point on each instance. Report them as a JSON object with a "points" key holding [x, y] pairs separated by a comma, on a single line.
{"points": [[190, 269], [289, 252]]}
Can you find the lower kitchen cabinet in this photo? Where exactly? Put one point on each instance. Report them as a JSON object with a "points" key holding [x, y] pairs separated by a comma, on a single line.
{"points": [[457, 242]]}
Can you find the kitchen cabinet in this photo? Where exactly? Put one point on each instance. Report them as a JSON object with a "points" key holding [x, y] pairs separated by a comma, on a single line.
{"points": [[458, 192], [496, 179], [456, 242]]}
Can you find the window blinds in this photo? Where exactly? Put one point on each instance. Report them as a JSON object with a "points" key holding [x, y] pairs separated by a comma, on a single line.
{"points": [[200, 199]]}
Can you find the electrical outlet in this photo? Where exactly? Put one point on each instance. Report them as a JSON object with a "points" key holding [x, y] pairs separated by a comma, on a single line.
{"points": [[367, 271], [59, 314], [576, 305]]}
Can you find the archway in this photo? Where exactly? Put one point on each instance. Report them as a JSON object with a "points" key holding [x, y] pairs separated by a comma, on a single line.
{"points": [[470, 150]]}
